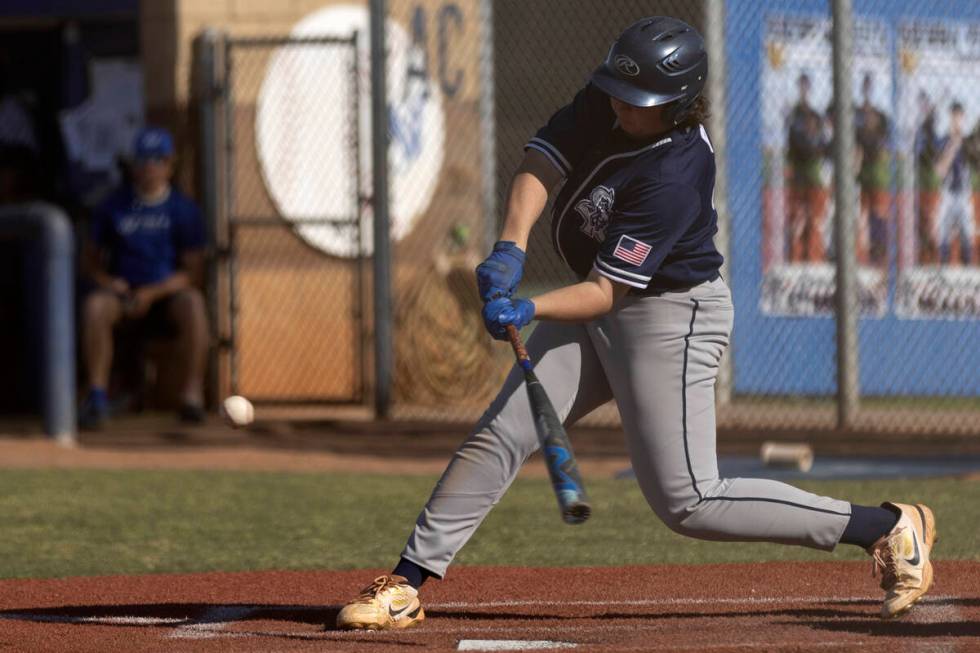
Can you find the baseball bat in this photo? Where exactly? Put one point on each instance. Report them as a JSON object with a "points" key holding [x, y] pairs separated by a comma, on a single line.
{"points": [[562, 468]]}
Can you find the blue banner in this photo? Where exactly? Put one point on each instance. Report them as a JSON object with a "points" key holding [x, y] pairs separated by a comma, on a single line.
{"points": [[917, 121]]}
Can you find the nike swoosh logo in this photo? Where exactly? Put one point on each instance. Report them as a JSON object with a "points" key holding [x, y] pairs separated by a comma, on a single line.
{"points": [[914, 560], [396, 614]]}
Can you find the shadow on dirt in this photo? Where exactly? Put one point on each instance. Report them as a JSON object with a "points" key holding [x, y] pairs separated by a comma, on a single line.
{"points": [[880, 628], [174, 615]]}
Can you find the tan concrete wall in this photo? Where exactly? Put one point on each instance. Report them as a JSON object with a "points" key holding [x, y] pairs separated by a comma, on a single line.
{"points": [[167, 32], [236, 18]]}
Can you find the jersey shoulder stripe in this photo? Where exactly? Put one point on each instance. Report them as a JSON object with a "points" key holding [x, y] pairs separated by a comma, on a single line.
{"points": [[614, 270], [551, 152], [615, 276]]}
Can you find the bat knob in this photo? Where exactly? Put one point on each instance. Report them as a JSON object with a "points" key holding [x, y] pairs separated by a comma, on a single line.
{"points": [[577, 514], [576, 510]]}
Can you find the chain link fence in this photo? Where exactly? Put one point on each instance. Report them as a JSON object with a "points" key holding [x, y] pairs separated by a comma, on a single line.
{"points": [[469, 81], [917, 281], [445, 368]]}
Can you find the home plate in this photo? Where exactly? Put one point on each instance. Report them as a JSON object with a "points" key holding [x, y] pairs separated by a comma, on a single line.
{"points": [[510, 645]]}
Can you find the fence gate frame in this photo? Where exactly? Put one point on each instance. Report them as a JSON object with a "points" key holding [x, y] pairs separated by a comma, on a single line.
{"points": [[215, 60]]}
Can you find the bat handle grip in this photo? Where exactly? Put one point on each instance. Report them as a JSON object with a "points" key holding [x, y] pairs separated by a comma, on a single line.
{"points": [[515, 341]]}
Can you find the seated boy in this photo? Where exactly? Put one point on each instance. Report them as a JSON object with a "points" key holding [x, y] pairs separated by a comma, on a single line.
{"points": [[145, 255]]}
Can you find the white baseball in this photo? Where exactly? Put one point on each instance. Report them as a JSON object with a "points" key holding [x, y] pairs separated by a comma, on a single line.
{"points": [[238, 411]]}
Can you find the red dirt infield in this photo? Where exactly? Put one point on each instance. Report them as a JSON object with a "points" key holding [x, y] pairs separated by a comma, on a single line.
{"points": [[760, 607]]}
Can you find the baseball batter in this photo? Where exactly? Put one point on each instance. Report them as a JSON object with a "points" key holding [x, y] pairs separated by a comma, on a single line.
{"points": [[646, 326]]}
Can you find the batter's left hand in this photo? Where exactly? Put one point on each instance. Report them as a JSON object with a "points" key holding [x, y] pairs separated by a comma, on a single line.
{"points": [[500, 273], [499, 313]]}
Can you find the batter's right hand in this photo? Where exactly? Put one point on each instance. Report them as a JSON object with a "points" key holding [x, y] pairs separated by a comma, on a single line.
{"points": [[491, 317], [501, 272]]}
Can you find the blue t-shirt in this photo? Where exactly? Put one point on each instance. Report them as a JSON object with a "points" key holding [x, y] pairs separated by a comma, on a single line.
{"points": [[145, 241], [639, 213]]}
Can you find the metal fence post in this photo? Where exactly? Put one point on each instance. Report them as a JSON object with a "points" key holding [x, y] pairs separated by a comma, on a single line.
{"points": [[383, 354], [59, 325], [50, 228], [488, 126], [208, 92], [360, 289], [717, 75], [228, 232], [846, 216]]}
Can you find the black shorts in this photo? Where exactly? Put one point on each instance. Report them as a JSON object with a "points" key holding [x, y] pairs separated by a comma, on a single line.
{"points": [[157, 323]]}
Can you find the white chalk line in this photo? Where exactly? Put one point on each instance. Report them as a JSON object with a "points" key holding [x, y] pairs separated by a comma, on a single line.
{"points": [[793, 644], [109, 621], [212, 623], [510, 645], [748, 600], [935, 611]]}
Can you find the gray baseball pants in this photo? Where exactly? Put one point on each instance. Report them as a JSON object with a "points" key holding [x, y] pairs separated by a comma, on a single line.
{"points": [[658, 357]]}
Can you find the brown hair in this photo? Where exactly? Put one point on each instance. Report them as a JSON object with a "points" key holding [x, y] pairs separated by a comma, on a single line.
{"points": [[699, 112]]}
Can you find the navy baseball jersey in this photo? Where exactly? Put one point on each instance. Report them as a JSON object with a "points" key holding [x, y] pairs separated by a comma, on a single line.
{"points": [[145, 241], [639, 213]]}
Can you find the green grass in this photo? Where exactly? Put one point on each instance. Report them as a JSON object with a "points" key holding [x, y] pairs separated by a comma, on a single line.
{"points": [[66, 523]]}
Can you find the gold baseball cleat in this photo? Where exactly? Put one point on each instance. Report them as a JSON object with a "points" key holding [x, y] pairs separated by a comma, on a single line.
{"points": [[902, 558], [388, 603]]}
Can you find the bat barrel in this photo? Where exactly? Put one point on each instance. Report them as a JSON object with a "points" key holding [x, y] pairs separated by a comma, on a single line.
{"points": [[560, 461]]}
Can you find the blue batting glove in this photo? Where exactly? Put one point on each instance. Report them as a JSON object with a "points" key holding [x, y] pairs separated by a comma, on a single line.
{"points": [[519, 313], [491, 315], [500, 312], [501, 272]]}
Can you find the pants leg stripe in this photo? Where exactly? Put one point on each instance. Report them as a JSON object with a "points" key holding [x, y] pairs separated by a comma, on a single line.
{"points": [[687, 453], [785, 503]]}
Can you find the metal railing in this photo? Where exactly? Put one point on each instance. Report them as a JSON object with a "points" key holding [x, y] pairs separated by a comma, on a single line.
{"points": [[50, 243]]}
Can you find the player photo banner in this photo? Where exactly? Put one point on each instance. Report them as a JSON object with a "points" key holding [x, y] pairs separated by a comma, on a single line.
{"points": [[798, 208], [917, 274], [939, 147]]}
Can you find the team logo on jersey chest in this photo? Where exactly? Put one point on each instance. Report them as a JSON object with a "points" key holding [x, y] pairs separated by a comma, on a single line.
{"points": [[133, 222], [595, 210]]}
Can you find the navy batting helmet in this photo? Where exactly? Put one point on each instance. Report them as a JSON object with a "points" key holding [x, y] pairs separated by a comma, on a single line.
{"points": [[656, 61]]}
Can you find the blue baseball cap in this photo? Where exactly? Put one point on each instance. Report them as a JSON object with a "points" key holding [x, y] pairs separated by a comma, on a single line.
{"points": [[153, 143]]}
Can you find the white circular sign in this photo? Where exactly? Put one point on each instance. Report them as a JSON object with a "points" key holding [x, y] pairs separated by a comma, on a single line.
{"points": [[304, 131]]}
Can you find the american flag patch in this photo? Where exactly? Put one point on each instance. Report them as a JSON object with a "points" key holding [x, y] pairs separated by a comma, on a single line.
{"points": [[631, 250]]}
